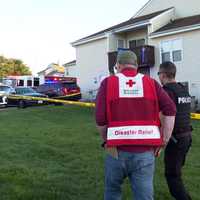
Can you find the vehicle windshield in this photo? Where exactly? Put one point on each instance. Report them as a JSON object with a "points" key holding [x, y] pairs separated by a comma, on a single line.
{"points": [[24, 90], [4, 89]]}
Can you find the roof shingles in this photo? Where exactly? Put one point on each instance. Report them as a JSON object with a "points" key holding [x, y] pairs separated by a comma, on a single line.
{"points": [[180, 23], [125, 23]]}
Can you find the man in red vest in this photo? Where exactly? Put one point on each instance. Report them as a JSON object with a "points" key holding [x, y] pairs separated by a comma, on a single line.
{"points": [[128, 105]]}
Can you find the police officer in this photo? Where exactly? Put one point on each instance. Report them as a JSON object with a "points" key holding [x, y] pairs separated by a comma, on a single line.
{"points": [[180, 142]]}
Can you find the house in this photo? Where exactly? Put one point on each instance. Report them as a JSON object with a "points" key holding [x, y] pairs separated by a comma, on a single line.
{"points": [[159, 31], [51, 70], [71, 69]]}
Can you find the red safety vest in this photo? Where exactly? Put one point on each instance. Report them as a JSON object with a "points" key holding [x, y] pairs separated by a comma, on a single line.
{"points": [[132, 111]]}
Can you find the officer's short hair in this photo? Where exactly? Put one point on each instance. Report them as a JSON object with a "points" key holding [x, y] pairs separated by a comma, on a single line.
{"points": [[169, 69]]}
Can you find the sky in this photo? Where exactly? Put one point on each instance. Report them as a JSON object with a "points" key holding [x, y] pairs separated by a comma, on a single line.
{"points": [[39, 32]]}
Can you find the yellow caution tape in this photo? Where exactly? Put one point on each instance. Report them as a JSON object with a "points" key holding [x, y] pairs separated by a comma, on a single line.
{"points": [[69, 95], [87, 104], [195, 116]]}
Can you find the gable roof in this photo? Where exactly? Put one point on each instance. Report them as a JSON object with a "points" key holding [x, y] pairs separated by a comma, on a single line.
{"points": [[143, 7], [179, 25], [53, 68], [72, 63], [133, 21]]}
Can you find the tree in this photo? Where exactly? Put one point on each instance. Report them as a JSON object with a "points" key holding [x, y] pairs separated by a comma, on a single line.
{"points": [[11, 66]]}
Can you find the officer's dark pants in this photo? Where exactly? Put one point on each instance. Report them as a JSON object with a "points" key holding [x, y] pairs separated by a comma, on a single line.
{"points": [[175, 154]]}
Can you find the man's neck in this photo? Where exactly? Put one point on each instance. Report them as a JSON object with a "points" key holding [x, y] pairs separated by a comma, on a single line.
{"points": [[128, 68]]}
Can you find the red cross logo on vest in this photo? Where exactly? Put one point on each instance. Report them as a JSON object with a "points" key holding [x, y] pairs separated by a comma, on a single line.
{"points": [[130, 83]]}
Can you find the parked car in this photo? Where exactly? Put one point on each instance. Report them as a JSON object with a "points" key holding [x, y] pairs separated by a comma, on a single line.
{"points": [[61, 90], [4, 92], [26, 91], [3, 100]]}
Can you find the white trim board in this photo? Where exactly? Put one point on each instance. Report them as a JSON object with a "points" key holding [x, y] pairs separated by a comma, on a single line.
{"points": [[174, 31]]}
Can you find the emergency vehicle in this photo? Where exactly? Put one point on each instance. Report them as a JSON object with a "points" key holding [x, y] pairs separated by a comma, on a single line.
{"points": [[65, 88], [23, 81]]}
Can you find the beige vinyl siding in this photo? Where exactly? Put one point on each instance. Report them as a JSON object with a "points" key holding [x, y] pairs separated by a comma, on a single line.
{"points": [[189, 68], [92, 64], [183, 8], [136, 35]]}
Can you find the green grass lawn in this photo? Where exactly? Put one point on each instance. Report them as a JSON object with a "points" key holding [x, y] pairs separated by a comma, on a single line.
{"points": [[54, 153]]}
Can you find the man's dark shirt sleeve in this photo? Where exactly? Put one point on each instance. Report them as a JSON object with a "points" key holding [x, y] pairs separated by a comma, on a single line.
{"points": [[100, 109], [166, 104]]}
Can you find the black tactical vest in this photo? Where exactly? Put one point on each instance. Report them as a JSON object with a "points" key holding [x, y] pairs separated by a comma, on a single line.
{"points": [[183, 106]]}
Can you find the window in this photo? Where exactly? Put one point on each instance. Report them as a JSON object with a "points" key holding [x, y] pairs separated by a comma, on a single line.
{"points": [[132, 44], [36, 82], [20, 83], [120, 43], [136, 43], [66, 72], [29, 83], [171, 50], [165, 56], [176, 55]]}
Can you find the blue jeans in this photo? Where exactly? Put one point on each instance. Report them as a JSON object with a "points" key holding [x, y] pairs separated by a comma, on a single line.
{"points": [[138, 167]]}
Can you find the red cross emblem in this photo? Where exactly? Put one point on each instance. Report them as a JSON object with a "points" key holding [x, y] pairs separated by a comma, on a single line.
{"points": [[130, 83]]}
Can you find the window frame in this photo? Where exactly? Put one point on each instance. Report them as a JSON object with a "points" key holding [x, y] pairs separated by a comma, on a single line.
{"points": [[180, 55], [171, 49], [122, 40], [136, 42]]}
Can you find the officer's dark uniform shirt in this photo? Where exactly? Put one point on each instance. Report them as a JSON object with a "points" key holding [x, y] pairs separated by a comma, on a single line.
{"points": [[182, 99]]}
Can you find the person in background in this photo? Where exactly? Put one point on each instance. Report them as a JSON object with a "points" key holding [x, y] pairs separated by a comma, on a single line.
{"points": [[127, 117], [181, 139]]}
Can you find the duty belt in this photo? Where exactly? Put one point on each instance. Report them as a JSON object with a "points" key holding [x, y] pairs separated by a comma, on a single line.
{"points": [[180, 135]]}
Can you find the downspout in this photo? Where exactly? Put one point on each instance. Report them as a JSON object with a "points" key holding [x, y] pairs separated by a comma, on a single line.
{"points": [[108, 42]]}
